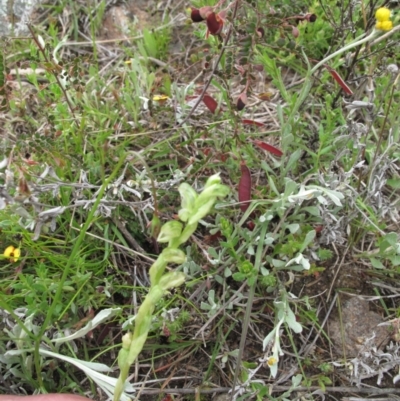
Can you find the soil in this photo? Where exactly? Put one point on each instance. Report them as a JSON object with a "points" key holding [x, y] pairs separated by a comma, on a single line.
{"points": [[119, 18], [356, 327]]}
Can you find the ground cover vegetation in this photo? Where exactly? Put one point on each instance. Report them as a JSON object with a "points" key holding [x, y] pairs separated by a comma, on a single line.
{"points": [[204, 206]]}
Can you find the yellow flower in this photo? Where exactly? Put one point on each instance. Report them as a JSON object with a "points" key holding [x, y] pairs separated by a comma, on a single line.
{"points": [[271, 361], [12, 253], [384, 25], [383, 22], [160, 98], [382, 14]]}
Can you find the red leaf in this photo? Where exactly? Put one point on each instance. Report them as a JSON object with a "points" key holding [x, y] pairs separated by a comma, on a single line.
{"points": [[244, 187], [252, 122], [269, 148], [210, 103], [339, 80]]}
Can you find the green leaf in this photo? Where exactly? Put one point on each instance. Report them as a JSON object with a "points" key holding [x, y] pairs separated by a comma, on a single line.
{"points": [[213, 253], [272, 185], [290, 187], [309, 238], [239, 276], [294, 157], [376, 263], [394, 183], [150, 43], [296, 380], [395, 260], [289, 317], [391, 238], [313, 210], [293, 228]]}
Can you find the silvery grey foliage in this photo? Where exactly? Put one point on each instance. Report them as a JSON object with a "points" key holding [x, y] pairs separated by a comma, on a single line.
{"points": [[379, 198], [334, 230], [47, 217], [376, 192], [36, 214], [352, 130], [372, 362]]}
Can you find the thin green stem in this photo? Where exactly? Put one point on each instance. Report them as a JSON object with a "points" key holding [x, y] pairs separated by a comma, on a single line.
{"points": [[343, 49], [249, 306], [75, 251], [307, 85], [380, 140], [55, 73]]}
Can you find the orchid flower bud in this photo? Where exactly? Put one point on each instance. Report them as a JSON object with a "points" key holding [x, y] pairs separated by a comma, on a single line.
{"points": [[169, 231], [171, 280], [168, 255], [124, 351], [214, 179], [173, 256], [189, 196], [202, 211]]}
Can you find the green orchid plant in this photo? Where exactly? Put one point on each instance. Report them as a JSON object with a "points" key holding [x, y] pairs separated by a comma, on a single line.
{"points": [[194, 207]]}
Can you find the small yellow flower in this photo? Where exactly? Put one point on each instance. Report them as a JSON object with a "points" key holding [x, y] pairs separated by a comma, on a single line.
{"points": [[383, 22], [160, 98], [382, 14], [12, 253], [384, 25], [271, 361]]}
